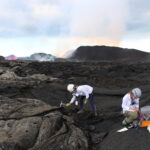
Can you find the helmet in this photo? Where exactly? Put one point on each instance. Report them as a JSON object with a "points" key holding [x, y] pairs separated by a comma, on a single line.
{"points": [[70, 87], [137, 92]]}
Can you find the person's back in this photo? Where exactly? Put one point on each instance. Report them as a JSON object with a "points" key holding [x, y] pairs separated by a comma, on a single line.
{"points": [[84, 90]]}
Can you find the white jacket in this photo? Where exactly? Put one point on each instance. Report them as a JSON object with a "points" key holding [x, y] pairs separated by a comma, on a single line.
{"points": [[127, 103], [82, 90]]}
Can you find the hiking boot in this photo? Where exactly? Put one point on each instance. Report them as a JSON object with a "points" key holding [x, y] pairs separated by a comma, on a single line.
{"points": [[132, 126], [136, 126]]}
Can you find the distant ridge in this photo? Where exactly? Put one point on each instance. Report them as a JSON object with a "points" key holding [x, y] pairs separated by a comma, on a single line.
{"points": [[2, 58], [102, 53]]}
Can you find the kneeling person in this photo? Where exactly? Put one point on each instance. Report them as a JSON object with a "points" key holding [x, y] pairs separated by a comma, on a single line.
{"points": [[130, 106]]}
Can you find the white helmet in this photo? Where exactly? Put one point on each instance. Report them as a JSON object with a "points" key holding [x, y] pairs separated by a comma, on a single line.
{"points": [[70, 87], [137, 92]]}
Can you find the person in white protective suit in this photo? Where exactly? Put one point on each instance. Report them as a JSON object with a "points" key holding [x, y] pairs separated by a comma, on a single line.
{"points": [[85, 92]]}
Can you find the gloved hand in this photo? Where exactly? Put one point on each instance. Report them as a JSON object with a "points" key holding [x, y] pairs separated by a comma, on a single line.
{"points": [[76, 103], [85, 101], [68, 104]]}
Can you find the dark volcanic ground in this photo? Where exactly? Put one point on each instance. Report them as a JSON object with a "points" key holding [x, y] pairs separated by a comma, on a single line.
{"points": [[99, 53], [47, 81]]}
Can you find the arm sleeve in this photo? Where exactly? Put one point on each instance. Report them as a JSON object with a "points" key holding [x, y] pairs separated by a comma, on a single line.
{"points": [[125, 104], [136, 105], [73, 99], [86, 95]]}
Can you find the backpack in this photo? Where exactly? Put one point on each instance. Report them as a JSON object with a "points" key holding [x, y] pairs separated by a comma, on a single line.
{"points": [[145, 111], [145, 116]]}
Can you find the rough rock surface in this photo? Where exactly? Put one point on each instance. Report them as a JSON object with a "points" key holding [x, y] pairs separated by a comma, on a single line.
{"points": [[33, 124], [31, 119], [2, 58]]}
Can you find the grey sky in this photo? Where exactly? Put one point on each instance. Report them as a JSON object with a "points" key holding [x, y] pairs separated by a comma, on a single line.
{"points": [[67, 24]]}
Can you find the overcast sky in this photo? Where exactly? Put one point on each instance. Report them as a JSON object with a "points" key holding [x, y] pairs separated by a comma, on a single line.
{"points": [[56, 26]]}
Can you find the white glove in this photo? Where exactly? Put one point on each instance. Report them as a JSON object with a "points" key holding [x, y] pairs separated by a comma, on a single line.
{"points": [[76, 103]]}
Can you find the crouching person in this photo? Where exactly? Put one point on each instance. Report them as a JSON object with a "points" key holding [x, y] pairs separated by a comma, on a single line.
{"points": [[85, 92], [130, 106]]}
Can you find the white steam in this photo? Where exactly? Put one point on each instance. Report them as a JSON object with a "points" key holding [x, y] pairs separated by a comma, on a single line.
{"points": [[98, 18], [94, 22], [42, 57], [70, 23]]}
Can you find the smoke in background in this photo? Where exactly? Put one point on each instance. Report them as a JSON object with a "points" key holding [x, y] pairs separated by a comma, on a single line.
{"points": [[93, 22], [63, 24], [98, 18], [42, 57]]}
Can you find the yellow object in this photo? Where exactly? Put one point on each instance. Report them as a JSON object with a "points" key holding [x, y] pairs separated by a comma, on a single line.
{"points": [[145, 123], [68, 104], [85, 101]]}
